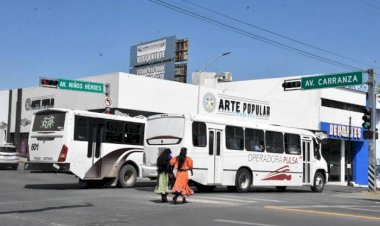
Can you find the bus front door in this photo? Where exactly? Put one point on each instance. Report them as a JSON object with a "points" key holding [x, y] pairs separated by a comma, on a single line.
{"points": [[94, 148], [306, 144], [214, 163]]}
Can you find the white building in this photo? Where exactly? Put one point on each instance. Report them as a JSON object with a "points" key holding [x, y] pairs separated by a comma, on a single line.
{"points": [[264, 100]]}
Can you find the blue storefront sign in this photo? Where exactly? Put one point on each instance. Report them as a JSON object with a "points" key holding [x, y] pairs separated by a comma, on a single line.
{"points": [[359, 147], [342, 132]]}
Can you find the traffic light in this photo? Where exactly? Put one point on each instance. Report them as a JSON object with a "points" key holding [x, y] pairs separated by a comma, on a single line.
{"points": [[291, 84], [50, 83], [366, 118]]}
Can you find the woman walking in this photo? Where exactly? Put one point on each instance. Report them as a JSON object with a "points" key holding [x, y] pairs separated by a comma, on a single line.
{"points": [[183, 164], [163, 170]]}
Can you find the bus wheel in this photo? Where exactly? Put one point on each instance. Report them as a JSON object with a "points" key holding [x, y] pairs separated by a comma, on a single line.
{"points": [[280, 188], [204, 188], [319, 182], [243, 180], [127, 176]]}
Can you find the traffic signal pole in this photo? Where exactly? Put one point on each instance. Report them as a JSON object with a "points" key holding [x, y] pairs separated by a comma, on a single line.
{"points": [[372, 141]]}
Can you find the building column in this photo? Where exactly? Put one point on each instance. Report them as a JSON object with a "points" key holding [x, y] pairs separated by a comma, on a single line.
{"points": [[342, 160]]}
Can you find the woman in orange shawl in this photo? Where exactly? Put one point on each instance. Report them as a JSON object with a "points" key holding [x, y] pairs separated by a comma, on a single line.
{"points": [[181, 186]]}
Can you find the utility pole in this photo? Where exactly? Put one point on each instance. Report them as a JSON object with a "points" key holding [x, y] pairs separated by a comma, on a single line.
{"points": [[372, 141], [107, 94]]}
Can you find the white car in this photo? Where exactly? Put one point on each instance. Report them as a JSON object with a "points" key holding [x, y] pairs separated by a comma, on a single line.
{"points": [[8, 156]]}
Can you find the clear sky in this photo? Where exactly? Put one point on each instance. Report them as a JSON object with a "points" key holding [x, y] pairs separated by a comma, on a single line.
{"points": [[78, 38]]}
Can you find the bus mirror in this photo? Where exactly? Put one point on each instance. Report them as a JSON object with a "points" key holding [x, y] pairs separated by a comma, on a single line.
{"points": [[321, 136]]}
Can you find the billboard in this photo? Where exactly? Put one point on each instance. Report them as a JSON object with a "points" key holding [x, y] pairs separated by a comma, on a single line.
{"points": [[152, 52], [159, 70]]}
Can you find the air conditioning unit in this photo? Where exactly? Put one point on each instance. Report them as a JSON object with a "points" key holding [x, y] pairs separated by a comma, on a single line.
{"points": [[224, 77]]}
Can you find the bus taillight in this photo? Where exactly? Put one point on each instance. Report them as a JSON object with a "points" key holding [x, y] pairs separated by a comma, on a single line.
{"points": [[63, 154]]}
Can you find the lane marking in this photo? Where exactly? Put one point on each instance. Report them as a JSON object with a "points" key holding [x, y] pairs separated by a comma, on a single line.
{"points": [[363, 209], [253, 199], [324, 213], [242, 222], [229, 199]]}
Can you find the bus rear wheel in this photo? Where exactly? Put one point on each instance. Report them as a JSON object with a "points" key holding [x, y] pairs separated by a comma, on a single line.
{"points": [[127, 176], [243, 180], [319, 182]]}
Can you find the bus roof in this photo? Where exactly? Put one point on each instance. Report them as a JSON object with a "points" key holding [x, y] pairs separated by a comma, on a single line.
{"points": [[95, 114], [234, 122]]}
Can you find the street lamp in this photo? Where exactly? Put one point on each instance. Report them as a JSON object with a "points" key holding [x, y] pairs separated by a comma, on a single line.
{"points": [[216, 58], [204, 68]]}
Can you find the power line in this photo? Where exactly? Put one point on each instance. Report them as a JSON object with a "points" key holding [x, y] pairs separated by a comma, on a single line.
{"points": [[275, 33], [254, 36]]}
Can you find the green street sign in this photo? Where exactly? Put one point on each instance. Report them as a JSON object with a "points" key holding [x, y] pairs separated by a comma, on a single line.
{"points": [[333, 80], [83, 86]]}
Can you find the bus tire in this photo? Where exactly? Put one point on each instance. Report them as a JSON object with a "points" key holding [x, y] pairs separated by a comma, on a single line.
{"points": [[318, 182], [243, 180], [127, 176]]}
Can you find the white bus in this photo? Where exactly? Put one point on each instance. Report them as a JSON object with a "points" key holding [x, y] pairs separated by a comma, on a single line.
{"points": [[97, 148], [237, 153]]}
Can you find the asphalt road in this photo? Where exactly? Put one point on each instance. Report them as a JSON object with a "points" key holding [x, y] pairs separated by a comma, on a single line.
{"points": [[56, 200]]}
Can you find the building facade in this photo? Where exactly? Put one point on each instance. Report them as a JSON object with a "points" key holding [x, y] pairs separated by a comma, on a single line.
{"points": [[336, 111]]}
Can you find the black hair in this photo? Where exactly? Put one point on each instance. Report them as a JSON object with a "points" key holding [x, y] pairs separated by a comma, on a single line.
{"points": [[163, 160], [181, 157]]}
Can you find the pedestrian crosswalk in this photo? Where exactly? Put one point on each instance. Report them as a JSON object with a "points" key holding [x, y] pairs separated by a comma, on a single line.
{"points": [[230, 200]]}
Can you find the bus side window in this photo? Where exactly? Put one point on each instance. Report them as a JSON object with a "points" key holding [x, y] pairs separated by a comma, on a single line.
{"points": [[234, 138], [317, 154], [80, 128], [254, 140], [134, 133], [274, 142], [292, 144], [199, 134], [114, 131]]}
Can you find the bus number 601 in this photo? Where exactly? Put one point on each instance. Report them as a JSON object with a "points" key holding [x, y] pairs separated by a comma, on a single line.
{"points": [[34, 147]]}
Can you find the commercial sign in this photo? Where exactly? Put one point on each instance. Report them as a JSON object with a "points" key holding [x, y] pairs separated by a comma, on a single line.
{"points": [[236, 106], [159, 70], [153, 52], [337, 131], [38, 103], [83, 86], [333, 80]]}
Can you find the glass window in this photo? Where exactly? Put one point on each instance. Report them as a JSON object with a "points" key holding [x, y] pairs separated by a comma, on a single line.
{"points": [[292, 144], [274, 142], [134, 133], [317, 154], [234, 138], [49, 121], [254, 140], [114, 131], [80, 128], [199, 134]]}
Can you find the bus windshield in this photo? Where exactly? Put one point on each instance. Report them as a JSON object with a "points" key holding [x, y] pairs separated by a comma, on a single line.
{"points": [[165, 130], [49, 121]]}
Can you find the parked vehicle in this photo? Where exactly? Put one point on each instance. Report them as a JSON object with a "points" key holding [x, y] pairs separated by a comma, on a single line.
{"points": [[8, 156]]}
